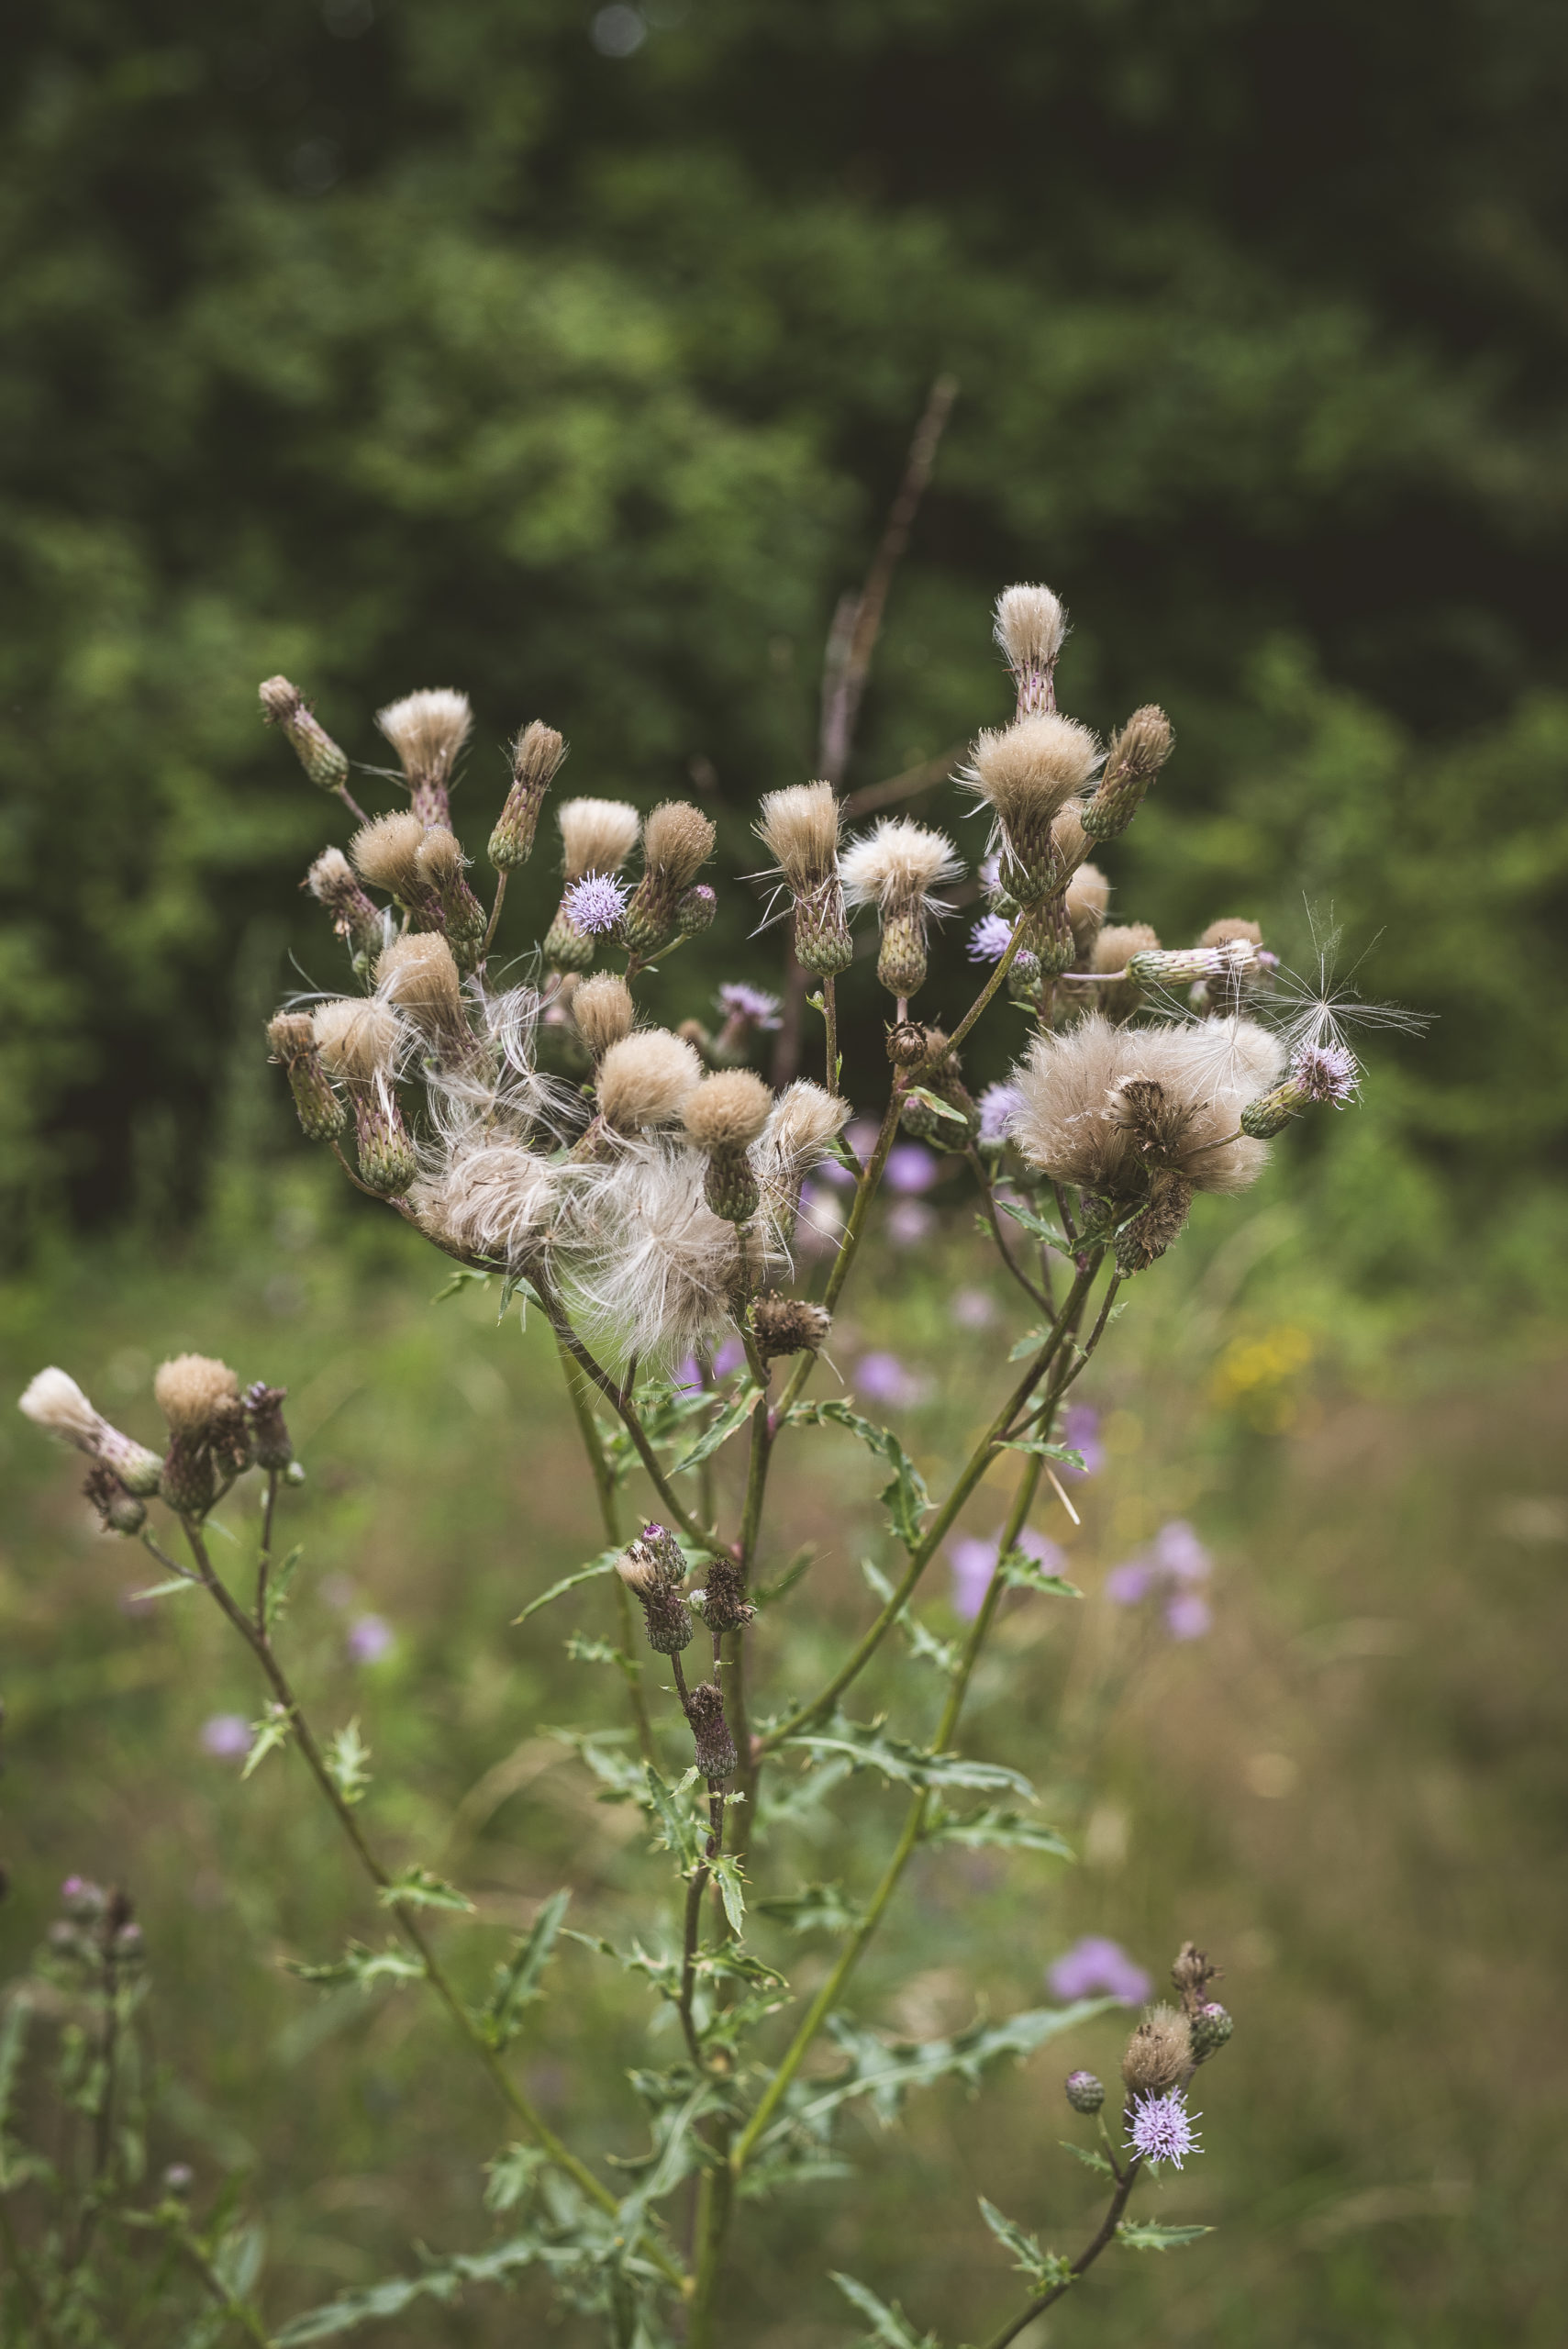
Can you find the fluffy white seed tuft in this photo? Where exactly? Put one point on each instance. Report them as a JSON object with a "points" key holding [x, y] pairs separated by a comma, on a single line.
{"points": [[897, 865], [596, 835], [645, 1080], [427, 731]]}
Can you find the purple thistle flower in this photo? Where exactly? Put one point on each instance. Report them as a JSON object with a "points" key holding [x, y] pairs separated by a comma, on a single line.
{"points": [[1179, 1553], [1096, 1964], [974, 1561], [1187, 1616], [974, 1308], [370, 1638], [910, 1168], [996, 1106], [594, 904], [1325, 1073], [226, 1736], [1163, 2128], [882, 1378], [909, 1222], [990, 939], [737, 1001], [1081, 1429]]}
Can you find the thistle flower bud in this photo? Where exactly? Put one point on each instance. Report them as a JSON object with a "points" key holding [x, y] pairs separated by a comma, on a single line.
{"points": [[427, 731], [1211, 2028], [787, 1325], [355, 918], [724, 1602], [1088, 892], [1025, 980], [284, 705], [440, 867], [799, 825], [385, 852], [1048, 936], [896, 867], [646, 1079], [1318, 1072], [1113, 950], [907, 1041], [119, 1511], [1084, 2093], [653, 1569], [1135, 758], [1025, 774], [694, 911], [940, 1073], [603, 1010], [292, 1036], [1030, 626], [54, 1402], [200, 1399], [715, 1755], [1159, 2054], [597, 838], [724, 1116], [387, 1160], [536, 757], [677, 839], [1142, 1241], [1177, 967], [270, 1438]]}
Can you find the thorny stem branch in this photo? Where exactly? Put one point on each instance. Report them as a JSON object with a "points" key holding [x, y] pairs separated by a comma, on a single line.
{"points": [[914, 1824], [992, 984], [925, 1550], [605, 1488], [506, 2088], [988, 1197], [1084, 2261], [830, 1023]]}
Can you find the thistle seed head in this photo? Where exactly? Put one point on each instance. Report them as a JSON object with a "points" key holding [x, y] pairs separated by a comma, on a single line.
{"points": [[596, 835], [646, 1080], [603, 1010], [1159, 2054]]}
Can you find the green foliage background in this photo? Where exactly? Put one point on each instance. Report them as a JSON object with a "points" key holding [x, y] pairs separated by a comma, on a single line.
{"points": [[413, 343]]}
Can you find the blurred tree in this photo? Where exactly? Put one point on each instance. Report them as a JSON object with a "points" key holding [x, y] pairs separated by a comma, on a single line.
{"points": [[568, 355]]}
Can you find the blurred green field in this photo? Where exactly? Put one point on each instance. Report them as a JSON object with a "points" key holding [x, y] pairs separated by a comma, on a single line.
{"points": [[1352, 1790]]}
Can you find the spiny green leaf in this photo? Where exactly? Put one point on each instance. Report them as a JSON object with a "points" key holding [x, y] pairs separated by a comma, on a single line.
{"points": [[460, 1278], [1038, 1225], [1029, 1343], [417, 1888], [515, 1985], [165, 1589], [1085, 2154], [1023, 1573], [923, 1642], [890, 2328], [904, 1497], [581, 1650], [278, 1584], [734, 1414], [512, 2175], [603, 1565], [684, 1833], [816, 1908], [619, 1773], [441, 2281], [274, 1729], [363, 1966], [1146, 2234], [348, 1763], [934, 1102], [1045, 2269], [731, 1888], [663, 1972], [885, 2072], [868, 1746], [800, 1565], [1041, 1449], [1008, 1830]]}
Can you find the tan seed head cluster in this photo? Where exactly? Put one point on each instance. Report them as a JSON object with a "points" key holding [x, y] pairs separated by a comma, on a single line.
{"points": [[1028, 771], [596, 835], [799, 828], [897, 865], [728, 1111], [1030, 625], [418, 975], [603, 1009], [427, 731], [678, 841], [386, 853], [1159, 2054], [358, 1038], [646, 1079], [191, 1390]]}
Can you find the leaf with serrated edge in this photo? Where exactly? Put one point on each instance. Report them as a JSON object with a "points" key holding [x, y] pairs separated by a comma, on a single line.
{"points": [[1045, 2269], [417, 1888], [1020, 1572], [890, 2326], [1036, 1225], [1005, 1830], [1040, 1449], [1148, 2235], [1085, 2154], [516, 1984], [885, 2074], [905, 1497], [348, 1763], [363, 1966], [272, 1730], [733, 1416], [603, 1565], [868, 1748], [728, 1877]]}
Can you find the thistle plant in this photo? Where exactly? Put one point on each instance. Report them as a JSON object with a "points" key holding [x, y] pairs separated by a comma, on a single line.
{"points": [[640, 1190]]}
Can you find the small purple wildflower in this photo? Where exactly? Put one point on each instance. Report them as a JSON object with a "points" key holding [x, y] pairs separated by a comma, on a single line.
{"points": [[1043, 1550], [737, 1001], [370, 1638], [996, 1106], [974, 1561], [1179, 1553], [832, 1170], [1188, 1616], [689, 1378], [1095, 1965], [1081, 1431], [1325, 1073], [862, 1137], [730, 1356], [909, 1223], [594, 904], [882, 1378], [910, 1168], [1163, 2128], [1126, 1586], [972, 1309], [226, 1736], [990, 939]]}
